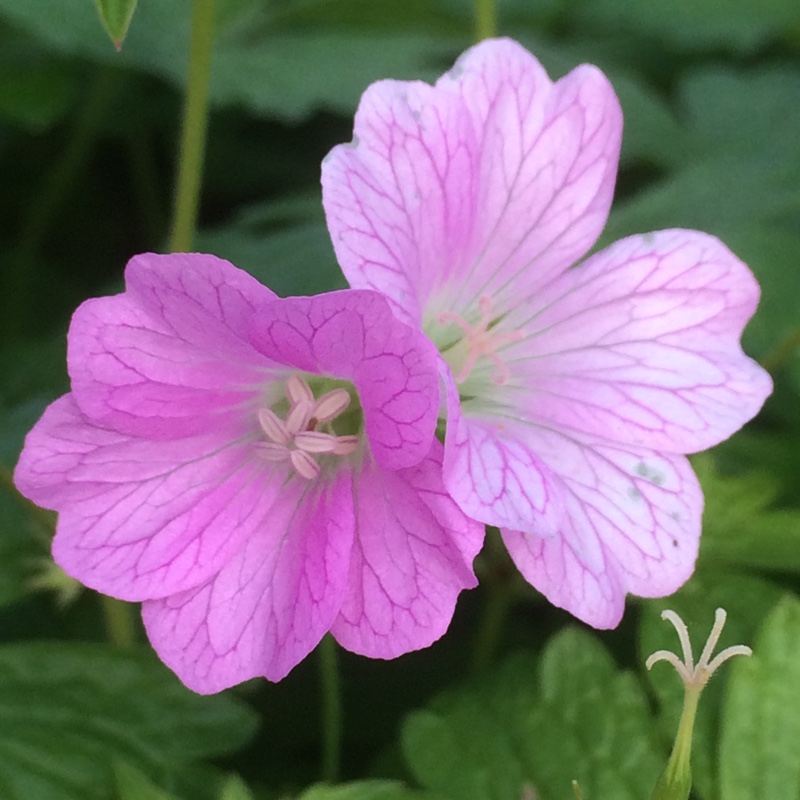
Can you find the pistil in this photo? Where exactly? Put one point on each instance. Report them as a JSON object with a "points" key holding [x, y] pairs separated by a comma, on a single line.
{"points": [[479, 341]]}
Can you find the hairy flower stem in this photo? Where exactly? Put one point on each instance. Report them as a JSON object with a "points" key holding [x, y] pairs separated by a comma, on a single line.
{"points": [[331, 709], [119, 622], [195, 124], [485, 20]]}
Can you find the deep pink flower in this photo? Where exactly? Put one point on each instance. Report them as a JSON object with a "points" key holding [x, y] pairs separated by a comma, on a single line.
{"points": [[573, 391], [257, 470]]}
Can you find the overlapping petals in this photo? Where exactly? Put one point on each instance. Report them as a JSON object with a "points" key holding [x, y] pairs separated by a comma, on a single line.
{"points": [[168, 492], [572, 391]]}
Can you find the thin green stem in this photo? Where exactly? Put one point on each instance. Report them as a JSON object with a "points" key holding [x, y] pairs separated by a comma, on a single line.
{"points": [[485, 19], [195, 125], [499, 601], [779, 357], [675, 782], [21, 272], [331, 709], [120, 627]]}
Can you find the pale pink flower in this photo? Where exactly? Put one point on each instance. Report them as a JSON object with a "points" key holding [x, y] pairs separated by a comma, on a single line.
{"points": [[256, 470], [573, 392]]}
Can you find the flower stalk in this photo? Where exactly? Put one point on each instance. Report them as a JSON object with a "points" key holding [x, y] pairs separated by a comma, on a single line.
{"points": [[675, 782], [485, 19], [195, 125]]}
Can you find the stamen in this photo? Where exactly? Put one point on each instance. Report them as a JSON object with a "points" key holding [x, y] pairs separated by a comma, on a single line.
{"points": [[330, 405], [481, 341], [345, 445], [305, 465], [297, 390], [315, 442], [273, 426], [296, 439]]}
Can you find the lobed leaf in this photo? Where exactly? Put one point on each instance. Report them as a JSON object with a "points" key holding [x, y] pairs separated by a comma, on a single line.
{"points": [[760, 743], [573, 716], [69, 710]]}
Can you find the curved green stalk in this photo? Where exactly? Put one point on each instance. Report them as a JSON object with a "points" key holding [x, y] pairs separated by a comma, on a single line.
{"points": [[195, 125], [485, 19]]}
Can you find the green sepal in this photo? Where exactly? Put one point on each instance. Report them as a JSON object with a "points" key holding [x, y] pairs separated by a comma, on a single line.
{"points": [[116, 16]]}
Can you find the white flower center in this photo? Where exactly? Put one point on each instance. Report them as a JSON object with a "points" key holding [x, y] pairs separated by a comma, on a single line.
{"points": [[478, 341], [296, 438]]}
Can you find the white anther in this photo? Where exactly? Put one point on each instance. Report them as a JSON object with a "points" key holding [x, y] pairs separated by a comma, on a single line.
{"points": [[304, 464], [273, 426], [299, 417], [273, 452], [345, 445], [330, 405], [315, 442], [297, 390]]}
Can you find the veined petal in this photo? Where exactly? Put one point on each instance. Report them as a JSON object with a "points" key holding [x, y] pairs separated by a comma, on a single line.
{"points": [[489, 182], [640, 345], [412, 556], [353, 335], [167, 358], [269, 607], [632, 525], [142, 519], [494, 475]]}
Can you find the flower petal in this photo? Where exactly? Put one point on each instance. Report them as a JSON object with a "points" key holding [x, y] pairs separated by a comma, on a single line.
{"points": [[167, 358], [632, 525], [494, 475], [641, 345], [353, 335], [412, 556], [269, 607], [494, 175], [141, 519]]}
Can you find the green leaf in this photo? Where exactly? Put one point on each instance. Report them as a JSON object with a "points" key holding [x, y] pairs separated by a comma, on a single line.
{"points": [[747, 600], [760, 742], [69, 710], [739, 25], [740, 527], [116, 16], [365, 790], [571, 716], [235, 788], [270, 60], [284, 244], [132, 784], [25, 530]]}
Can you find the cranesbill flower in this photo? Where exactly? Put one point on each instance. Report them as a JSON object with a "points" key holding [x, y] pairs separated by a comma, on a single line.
{"points": [[573, 392], [256, 470]]}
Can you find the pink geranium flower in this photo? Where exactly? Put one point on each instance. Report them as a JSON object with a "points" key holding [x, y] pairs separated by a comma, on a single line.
{"points": [[257, 470], [573, 392]]}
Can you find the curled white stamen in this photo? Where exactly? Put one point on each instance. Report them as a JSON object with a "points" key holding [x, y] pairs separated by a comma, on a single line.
{"points": [[697, 676]]}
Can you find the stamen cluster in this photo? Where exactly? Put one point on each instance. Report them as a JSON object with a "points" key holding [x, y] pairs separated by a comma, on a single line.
{"points": [[296, 438]]}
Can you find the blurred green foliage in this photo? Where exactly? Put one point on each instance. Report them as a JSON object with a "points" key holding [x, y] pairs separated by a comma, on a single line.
{"points": [[711, 95]]}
